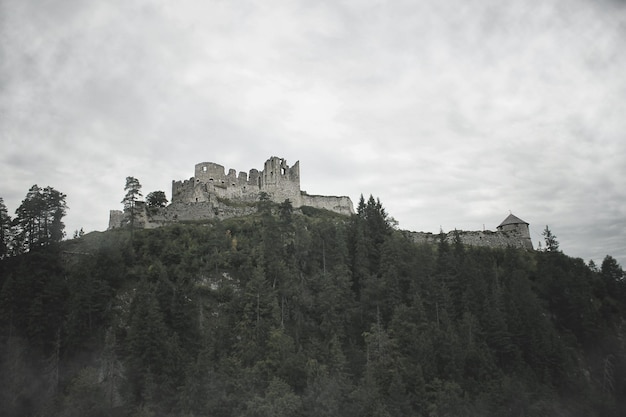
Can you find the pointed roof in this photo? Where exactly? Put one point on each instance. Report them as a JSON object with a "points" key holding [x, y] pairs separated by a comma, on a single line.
{"points": [[512, 219]]}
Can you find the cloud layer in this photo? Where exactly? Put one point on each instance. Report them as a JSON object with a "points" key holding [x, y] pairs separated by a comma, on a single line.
{"points": [[453, 113]]}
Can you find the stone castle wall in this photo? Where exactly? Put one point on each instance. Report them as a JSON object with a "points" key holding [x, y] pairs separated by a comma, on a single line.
{"points": [[488, 238], [150, 218], [212, 193], [277, 179], [342, 205], [116, 219], [186, 212]]}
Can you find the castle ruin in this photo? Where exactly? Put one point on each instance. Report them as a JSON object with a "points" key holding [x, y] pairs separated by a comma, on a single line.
{"points": [[277, 180], [211, 193], [513, 231]]}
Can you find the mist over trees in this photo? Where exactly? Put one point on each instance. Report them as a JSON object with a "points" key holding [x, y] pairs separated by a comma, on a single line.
{"points": [[302, 312]]}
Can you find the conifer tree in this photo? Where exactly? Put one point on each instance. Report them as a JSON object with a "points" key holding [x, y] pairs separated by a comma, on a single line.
{"points": [[552, 245], [54, 210], [133, 192], [38, 219], [5, 230]]}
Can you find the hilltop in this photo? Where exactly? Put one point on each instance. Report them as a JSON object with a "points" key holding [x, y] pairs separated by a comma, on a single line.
{"points": [[306, 312]]}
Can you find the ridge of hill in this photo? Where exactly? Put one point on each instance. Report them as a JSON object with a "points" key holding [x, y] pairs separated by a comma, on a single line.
{"points": [[307, 313]]}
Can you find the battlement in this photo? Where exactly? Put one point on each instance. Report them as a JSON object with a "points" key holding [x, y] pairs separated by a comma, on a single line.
{"points": [[214, 194], [277, 180], [204, 195]]}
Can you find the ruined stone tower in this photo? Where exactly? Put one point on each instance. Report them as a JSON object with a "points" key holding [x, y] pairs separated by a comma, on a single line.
{"points": [[515, 226], [281, 181]]}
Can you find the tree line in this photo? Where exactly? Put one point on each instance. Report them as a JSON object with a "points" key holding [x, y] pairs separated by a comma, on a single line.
{"points": [[308, 313], [38, 221]]}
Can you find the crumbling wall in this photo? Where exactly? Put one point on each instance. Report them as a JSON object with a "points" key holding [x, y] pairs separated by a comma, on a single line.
{"points": [[116, 217], [205, 195], [209, 172], [183, 190], [342, 205], [280, 181], [189, 212], [486, 238]]}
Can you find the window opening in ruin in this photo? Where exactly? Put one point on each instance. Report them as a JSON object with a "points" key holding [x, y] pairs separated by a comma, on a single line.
{"points": [[211, 179], [204, 169], [282, 171], [196, 199]]}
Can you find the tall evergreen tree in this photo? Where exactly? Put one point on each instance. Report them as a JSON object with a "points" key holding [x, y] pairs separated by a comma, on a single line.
{"points": [[38, 219], [27, 221], [613, 277], [133, 192], [5, 230], [55, 208], [552, 245]]}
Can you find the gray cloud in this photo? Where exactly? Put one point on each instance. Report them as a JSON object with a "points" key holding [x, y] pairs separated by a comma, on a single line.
{"points": [[452, 113]]}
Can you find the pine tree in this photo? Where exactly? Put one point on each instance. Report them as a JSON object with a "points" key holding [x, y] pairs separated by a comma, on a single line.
{"points": [[38, 219], [55, 208], [5, 230], [133, 192], [552, 245], [28, 221]]}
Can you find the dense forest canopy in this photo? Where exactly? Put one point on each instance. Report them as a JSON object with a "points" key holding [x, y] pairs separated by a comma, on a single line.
{"points": [[305, 313]]}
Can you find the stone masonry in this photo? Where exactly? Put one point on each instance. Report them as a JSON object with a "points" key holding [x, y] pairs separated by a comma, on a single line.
{"points": [[211, 193], [277, 180], [513, 231], [214, 194]]}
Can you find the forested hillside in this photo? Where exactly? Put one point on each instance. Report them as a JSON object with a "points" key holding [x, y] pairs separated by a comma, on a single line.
{"points": [[307, 313]]}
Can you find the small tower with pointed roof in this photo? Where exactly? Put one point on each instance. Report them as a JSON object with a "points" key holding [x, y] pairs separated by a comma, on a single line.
{"points": [[513, 225]]}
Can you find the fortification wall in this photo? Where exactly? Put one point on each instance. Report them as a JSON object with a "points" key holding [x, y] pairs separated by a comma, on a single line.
{"points": [[209, 171], [280, 181], [277, 179], [116, 217], [342, 205], [201, 211], [192, 191], [478, 238], [202, 196]]}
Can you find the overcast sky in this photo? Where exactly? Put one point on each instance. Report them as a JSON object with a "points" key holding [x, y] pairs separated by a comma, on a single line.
{"points": [[452, 112]]}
